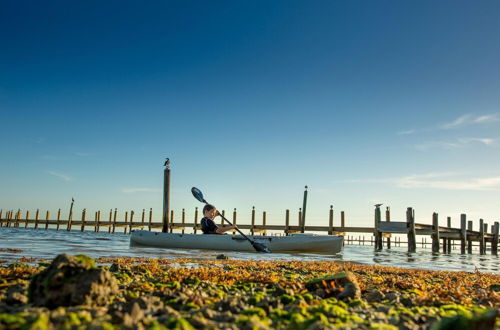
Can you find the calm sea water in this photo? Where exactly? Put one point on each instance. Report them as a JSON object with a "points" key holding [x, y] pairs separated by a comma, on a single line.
{"points": [[46, 244]]}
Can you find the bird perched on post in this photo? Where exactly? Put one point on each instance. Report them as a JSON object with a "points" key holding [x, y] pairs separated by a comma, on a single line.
{"points": [[378, 205], [167, 162]]}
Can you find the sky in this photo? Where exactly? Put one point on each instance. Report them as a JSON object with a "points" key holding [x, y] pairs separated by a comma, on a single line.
{"points": [[393, 102]]}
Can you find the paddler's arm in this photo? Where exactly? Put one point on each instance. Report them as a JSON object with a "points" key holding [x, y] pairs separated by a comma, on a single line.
{"points": [[223, 229]]}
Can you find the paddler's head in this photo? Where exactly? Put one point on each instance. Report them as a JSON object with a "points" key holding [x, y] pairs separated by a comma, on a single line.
{"points": [[210, 211]]}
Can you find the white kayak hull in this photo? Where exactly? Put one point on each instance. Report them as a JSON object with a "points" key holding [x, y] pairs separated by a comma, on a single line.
{"points": [[228, 242]]}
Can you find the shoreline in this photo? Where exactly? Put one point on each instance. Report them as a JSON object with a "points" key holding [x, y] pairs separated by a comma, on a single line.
{"points": [[190, 293]]}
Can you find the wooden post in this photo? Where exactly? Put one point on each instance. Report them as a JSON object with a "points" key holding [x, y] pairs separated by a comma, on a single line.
{"points": [[410, 223], [27, 219], [253, 221], [143, 217], [1, 219], [377, 233], [84, 213], [114, 220], [166, 197], [150, 218], [126, 221], [70, 217], [448, 243], [36, 218], [58, 218], [110, 219], [171, 221], [98, 221], [183, 219], [195, 229], [482, 246], [469, 241], [463, 232], [304, 207], [330, 221], [494, 240], [287, 222], [300, 218], [435, 234], [264, 218], [131, 221], [388, 219], [342, 220], [234, 218], [18, 217], [47, 217]]}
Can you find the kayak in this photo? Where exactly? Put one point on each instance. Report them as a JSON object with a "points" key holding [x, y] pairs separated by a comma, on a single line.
{"points": [[293, 243]]}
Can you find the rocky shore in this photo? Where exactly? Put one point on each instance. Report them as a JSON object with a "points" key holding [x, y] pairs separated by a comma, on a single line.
{"points": [[77, 292]]}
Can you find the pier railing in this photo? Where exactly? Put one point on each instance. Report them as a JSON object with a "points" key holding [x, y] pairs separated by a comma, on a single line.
{"points": [[442, 237]]}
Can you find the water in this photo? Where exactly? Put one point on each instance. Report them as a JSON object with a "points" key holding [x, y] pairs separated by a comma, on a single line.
{"points": [[46, 244]]}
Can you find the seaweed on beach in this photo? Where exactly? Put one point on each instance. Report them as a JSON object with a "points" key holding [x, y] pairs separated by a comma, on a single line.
{"points": [[236, 294]]}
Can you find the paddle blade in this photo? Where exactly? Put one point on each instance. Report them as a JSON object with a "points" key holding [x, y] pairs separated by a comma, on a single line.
{"points": [[260, 247], [198, 194]]}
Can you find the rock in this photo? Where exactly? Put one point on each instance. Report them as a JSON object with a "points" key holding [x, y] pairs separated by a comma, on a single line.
{"points": [[495, 287], [16, 294], [71, 281], [342, 286], [482, 321], [392, 296], [374, 296], [222, 257], [407, 300], [115, 267]]}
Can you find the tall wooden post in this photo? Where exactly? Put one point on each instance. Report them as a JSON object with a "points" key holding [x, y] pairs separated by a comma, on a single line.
{"points": [[234, 220], [131, 221], [115, 214], [70, 217], [463, 232], [469, 240], [264, 219], [252, 229], [410, 223], [287, 222], [47, 217], [481, 237], [27, 219], [183, 219], [58, 219], [494, 240], [143, 218], [448, 243], [300, 218], [377, 233], [110, 220], [195, 229], [166, 196], [388, 219], [171, 221], [304, 207], [435, 233], [342, 220], [37, 214], [84, 213], [150, 218], [330, 221]]}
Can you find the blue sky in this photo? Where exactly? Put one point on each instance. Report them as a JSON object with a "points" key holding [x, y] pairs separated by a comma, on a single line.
{"points": [[387, 101]]}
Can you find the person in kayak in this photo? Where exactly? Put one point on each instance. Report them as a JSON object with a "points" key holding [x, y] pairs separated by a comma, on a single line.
{"points": [[208, 225]]}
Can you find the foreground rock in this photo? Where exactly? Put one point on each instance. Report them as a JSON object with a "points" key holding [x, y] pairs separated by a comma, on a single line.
{"points": [[72, 281], [342, 286]]}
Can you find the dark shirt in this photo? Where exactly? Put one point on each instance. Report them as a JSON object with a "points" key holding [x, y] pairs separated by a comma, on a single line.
{"points": [[208, 226]]}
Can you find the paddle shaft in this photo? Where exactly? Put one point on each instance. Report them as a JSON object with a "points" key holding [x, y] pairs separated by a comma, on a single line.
{"points": [[237, 229]]}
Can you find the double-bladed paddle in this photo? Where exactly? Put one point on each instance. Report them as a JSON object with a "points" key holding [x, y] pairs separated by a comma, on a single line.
{"points": [[257, 246]]}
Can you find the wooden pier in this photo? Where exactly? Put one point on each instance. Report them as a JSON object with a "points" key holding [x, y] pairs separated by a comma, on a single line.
{"points": [[442, 238]]}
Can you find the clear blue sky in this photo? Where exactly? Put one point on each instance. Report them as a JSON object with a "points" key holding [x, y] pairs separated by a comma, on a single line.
{"points": [[395, 102]]}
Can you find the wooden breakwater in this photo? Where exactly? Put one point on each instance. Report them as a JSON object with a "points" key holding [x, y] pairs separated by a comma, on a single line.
{"points": [[442, 237]]}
